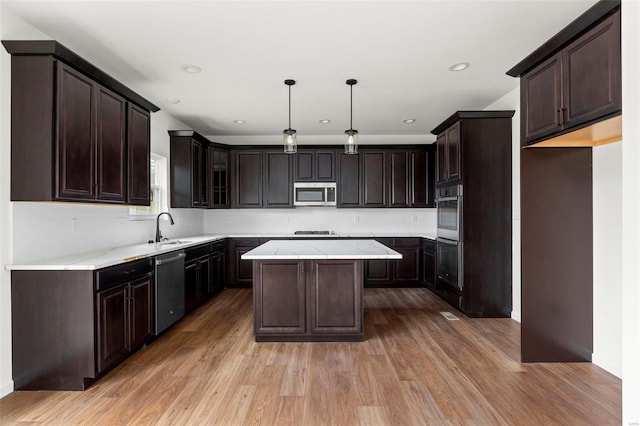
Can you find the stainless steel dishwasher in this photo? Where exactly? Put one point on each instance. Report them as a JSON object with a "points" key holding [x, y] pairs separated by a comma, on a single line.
{"points": [[169, 294]]}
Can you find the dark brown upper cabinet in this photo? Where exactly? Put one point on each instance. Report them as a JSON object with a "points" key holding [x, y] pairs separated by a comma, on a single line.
{"points": [[189, 164], [449, 152], [199, 171], [315, 166], [399, 170], [411, 178], [76, 147], [278, 179], [111, 146], [422, 178], [573, 80], [219, 178], [399, 177], [72, 124], [199, 174], [263, 178], [349, 185], [374, 178], [247, 173], [139, 150]]}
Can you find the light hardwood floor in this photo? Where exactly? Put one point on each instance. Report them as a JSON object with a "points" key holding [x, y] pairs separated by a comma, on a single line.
{"points": [[415, 368]]}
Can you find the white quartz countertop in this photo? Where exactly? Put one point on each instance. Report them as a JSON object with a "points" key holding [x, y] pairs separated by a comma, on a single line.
{"points": [[321, 249], [364, 235], [116, 255]]}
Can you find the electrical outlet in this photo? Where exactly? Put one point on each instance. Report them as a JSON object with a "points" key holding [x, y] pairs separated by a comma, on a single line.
{"points": [[414, 219], [356, 219], [74, 224]]}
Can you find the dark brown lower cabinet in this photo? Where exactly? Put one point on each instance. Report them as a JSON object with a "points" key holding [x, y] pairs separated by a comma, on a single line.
{"points": [[406, 272], [113, 327], [408, 268], [190, 285], [70, 327], [240, 272], [218, 267], [124, 320], [429, 263], [308, 300], [198, 277]]}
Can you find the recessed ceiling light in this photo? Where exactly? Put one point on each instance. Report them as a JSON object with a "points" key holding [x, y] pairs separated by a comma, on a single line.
{"points": [[409, 120], [191, 69], [461, 66], [325, 121], [172, 100], [239, 121]]}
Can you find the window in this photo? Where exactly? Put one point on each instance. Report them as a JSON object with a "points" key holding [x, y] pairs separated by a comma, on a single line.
{"points": [[158, 179]]}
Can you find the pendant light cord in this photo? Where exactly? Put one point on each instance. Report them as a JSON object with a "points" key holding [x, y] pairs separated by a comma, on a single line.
{"points": [[351, 113], [289, 106]]}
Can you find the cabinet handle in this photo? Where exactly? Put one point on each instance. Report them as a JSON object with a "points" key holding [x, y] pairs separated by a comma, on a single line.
{"points": [[564, 115], [559, 117]]}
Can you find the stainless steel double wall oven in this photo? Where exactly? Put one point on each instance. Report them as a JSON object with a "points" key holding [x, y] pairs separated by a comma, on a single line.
{"points": [[449, 236]]}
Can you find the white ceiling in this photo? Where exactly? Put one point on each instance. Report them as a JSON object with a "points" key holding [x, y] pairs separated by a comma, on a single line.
{"points": [[399, 51]]}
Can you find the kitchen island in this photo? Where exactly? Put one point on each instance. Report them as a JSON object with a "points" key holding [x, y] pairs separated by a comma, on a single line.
{"points": [[311, 290]]}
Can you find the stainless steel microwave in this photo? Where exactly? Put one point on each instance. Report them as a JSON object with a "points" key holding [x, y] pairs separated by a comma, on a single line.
{"points": [[314, 193]]}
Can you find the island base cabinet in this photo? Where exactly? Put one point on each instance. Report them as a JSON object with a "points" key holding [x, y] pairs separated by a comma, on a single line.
{"points": [[308, 300], [335, 297], [280, 297]]}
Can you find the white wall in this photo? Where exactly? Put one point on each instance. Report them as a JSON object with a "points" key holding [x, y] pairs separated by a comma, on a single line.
{"points": [[44, 230], [512, 101], [607, 257], [342, 221], [6, 384], [631, 213]]}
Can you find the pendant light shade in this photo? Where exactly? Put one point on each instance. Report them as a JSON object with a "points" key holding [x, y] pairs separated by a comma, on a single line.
{"points": [[289, 134], [351, 135]]}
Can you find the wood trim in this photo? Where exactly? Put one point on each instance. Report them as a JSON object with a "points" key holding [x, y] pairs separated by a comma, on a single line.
{"points": [[59, 51], [459, 115]]}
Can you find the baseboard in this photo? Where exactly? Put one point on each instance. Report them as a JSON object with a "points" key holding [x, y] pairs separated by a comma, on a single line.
{"points": [[516, 316], [6, 388], [616, 370]]}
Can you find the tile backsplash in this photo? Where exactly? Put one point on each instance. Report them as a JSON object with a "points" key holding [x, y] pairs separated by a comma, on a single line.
{"points": [[384, 221], [49, 230]]}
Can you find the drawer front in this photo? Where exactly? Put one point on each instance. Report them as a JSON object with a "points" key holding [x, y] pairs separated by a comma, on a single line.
{"points": [[246, 242], [406, 242], [429, 244], [109, 277], [218, 246], [198, 251]]}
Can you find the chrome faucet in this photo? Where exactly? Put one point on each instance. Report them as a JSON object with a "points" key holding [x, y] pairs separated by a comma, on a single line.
{"points": [[158, 234]]}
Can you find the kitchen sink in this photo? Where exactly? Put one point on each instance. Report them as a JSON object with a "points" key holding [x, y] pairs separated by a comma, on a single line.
{"points": [[170, 243]]}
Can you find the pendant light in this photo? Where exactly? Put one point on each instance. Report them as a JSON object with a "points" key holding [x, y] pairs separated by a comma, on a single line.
{"points": [[289, 134], [351, 135]]}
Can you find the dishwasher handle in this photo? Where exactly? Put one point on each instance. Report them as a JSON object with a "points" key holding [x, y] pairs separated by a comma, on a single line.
{"points": [[170, 260]]}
